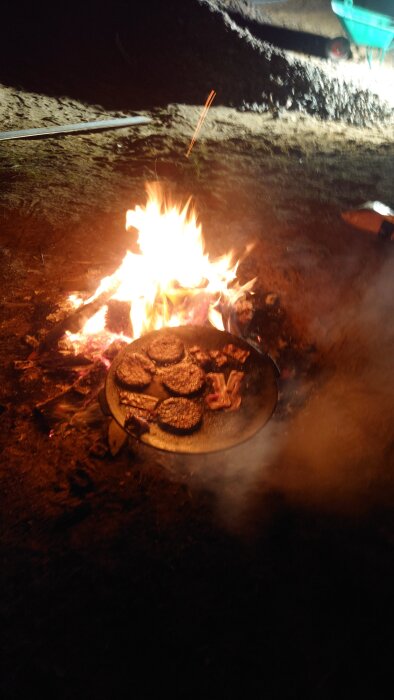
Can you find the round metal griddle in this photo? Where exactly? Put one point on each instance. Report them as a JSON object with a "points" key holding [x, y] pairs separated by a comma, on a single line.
{"points": [[219, 429]]}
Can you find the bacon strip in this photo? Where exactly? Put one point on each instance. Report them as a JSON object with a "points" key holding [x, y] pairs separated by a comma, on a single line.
{"points": [[225, 395], [219, 357], [233, 388], [202, 358], [236, 353], [139, 411], [143, 401], [220, 398]]}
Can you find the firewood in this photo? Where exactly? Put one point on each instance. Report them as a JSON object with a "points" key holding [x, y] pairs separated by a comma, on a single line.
{"points": [[66, 404], [118, 317], [75, 321]]}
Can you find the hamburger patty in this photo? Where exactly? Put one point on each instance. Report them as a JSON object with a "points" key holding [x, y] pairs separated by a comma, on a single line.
{"points": [[184, 379], [166, 349], [143, 360], [135, 371], [179, 415]]}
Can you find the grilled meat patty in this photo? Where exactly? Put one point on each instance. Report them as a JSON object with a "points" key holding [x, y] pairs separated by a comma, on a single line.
{"points": [[183, 379], [179, 415], [143, 360], [135, 371], [166, 349]]}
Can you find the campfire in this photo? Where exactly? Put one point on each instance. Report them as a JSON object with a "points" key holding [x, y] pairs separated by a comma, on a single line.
{"points": [[166, 279]]}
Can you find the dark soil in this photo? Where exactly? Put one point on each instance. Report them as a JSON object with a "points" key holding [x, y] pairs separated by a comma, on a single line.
{"points": [[100, 55]]}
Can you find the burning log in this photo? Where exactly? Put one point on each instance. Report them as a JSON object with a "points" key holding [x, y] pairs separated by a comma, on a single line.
{"points": [[170, 282], [57, 362], [75, 321], [118, 317], [237, 318], [113, 349]]}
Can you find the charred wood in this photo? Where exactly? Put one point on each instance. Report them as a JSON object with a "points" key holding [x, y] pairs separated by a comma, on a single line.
{"points": [[118, 317], [75, 321], [67, 404]]}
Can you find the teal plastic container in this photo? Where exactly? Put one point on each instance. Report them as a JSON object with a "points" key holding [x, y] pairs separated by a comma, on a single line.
{"points": [[365, 27]]}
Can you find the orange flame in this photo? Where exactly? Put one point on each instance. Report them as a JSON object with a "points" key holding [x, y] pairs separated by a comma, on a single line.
{"points": [[172, 281]]}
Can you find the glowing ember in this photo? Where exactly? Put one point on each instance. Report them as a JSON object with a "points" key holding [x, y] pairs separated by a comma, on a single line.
{"points": [[201, 120], [171, 282]]}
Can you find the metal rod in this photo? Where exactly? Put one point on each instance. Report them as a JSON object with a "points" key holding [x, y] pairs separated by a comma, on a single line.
{"points": [[73, 128]]}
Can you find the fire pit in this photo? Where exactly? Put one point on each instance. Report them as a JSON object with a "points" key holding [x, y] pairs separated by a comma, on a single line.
{"points": [[167, 280]]}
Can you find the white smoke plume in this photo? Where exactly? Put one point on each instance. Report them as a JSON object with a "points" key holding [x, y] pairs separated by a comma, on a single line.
{"points": [[337, 452]]}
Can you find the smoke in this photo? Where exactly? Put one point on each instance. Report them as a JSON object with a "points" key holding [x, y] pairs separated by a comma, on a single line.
{"points": [[234, 475], [339, 450], [337, 453]]}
